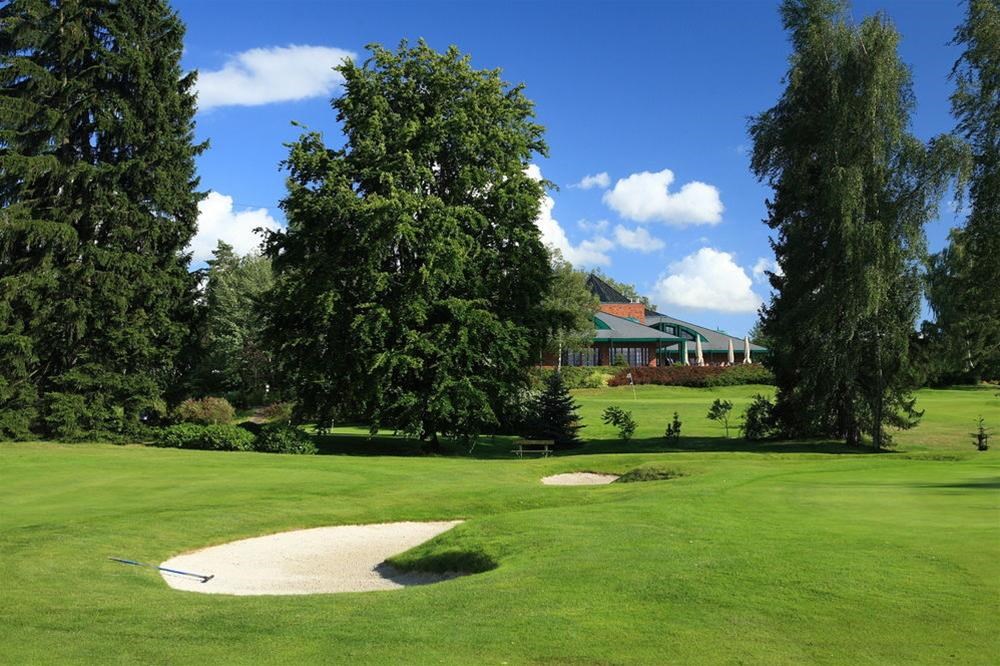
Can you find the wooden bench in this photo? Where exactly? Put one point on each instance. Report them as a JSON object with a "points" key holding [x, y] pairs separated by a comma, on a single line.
{"points": [[542, 447]]}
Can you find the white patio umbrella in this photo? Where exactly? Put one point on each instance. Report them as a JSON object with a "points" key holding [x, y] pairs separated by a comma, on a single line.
{"points": [[732, 356], [746, 350], [699, 358]]}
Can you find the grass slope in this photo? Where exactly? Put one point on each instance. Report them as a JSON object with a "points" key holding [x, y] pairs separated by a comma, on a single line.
{"points": [[789, 556]]}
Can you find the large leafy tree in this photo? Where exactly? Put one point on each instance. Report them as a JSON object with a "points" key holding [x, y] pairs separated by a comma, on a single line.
{"points": [[409, 281], [964, 284], [233, 358], [98, 200], [571, 306], [852, 192]]}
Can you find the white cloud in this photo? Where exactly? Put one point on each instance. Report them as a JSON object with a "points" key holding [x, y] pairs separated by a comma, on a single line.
{"points": [[762, 266], [591, 252], [275, 74], [218, 221], [600, 225], [707, 280], [637, 239], [646, 196], [601, 180]]}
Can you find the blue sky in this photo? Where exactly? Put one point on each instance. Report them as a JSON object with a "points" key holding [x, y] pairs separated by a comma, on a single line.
{"points": [[626, 89]]}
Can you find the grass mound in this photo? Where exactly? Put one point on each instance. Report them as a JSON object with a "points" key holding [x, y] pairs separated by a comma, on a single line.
{"points": [[469, 561], [650, 473]]}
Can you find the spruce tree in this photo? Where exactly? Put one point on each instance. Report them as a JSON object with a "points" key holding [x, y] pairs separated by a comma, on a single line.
{"points": [[98, 202], [852, 192], [555, 415], [964, 280], [410, 280]]}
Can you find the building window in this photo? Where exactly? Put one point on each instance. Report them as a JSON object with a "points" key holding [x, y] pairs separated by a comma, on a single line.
{"points": [[584, 357], [633, 356]]}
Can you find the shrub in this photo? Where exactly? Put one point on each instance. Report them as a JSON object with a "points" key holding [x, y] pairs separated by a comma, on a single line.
{"points": [[981, 438], [277, 412], [673, 430], [758, 419], [620, 419], [206, 411], [719, 411], [217, 437], [575, 377], [695, 376], [283, 438], [650, 473]]}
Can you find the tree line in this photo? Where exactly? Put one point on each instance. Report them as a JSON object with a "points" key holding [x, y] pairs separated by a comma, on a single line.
{"points": [[411, 289]]}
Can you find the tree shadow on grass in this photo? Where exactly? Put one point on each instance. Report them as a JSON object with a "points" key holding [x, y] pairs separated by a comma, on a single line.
{"points": [[977, 484], [500, 447]]}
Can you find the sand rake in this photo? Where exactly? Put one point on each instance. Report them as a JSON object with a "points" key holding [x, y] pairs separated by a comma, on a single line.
{"points": [[203, 578]]}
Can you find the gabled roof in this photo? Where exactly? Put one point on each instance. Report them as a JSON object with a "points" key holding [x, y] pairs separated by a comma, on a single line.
{"points": [[619, 329], [604, 291]]}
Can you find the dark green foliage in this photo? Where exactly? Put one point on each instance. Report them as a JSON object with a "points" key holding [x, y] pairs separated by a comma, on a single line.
{"points": [[620, 419], [649, 473], [412, 272], [283, 438], [210, 438], [981, 438], [719, 411], [620, 361], [232, 358], [673, 430], [97, 203], [555, 415], [758, 419], [206, 411], [964, 279], [852, 192], [696, 376]]}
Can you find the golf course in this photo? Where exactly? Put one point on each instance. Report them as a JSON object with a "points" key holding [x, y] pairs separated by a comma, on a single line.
{"points": [[773, 552]]}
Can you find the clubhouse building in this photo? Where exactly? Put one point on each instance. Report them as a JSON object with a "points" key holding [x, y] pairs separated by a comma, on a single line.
{"points": [[626, 329]]}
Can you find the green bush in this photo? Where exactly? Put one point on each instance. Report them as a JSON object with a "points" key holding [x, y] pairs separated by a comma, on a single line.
{"points": [[283, 438], [620, 419], [738, 375], [218, 437], [673, 430], [575, 377], [758, 419], [206, 411], [277, 412]]}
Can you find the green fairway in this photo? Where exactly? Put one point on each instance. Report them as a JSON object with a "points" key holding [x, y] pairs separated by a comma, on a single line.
{"points": [[782, 553]]}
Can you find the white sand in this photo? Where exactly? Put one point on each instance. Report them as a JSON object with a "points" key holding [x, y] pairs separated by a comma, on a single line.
{"points": [[348, 558], [579, 479]]}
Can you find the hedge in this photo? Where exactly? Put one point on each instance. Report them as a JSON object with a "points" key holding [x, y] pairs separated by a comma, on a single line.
{"points": [[695, 376], [270, 438]]}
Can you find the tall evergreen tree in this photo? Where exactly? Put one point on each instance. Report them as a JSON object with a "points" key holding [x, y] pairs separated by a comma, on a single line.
{"points": [[98, 202], [233, 359], [555, 414], [964, 284], [852, 192], [410, 279]]}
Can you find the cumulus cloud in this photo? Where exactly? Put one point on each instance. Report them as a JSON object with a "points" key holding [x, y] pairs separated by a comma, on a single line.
{"points": [[646, 196], [218, 221], [600, 225], [638, 239], [601, 180], [591, 252], [707, 280], [761, 268], [275, 74]]}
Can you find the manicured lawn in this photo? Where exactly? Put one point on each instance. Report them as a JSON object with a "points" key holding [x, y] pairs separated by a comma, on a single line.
{"points": [[791, 555]]}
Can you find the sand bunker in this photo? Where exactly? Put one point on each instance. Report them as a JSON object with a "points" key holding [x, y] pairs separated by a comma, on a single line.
{"points": [[348, 558], [579, 479]]}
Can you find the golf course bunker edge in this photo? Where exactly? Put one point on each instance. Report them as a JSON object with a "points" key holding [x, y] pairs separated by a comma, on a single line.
{"points": [[320, 560], [579, 479]]}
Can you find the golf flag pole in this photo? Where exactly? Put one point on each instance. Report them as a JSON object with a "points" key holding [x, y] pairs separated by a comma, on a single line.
{"points": [[631, 383]]}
